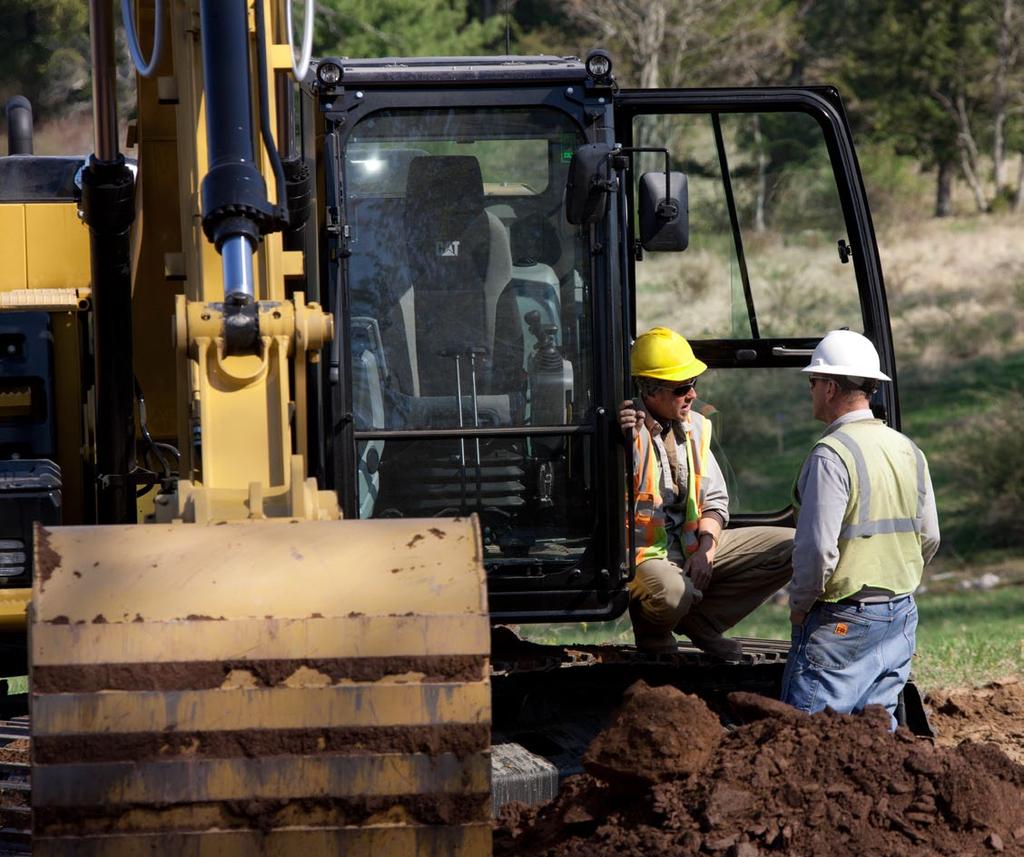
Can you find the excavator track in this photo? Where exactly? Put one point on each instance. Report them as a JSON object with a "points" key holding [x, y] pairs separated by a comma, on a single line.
{"points": [[15, 787]]}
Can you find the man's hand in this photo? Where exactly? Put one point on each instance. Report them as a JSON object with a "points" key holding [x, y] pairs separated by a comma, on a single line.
{"points": [[630, 419], [797, 617], [698, 565]]}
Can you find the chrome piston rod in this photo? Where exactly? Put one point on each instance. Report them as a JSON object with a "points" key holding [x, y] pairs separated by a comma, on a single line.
{"points": [[236, 260]]}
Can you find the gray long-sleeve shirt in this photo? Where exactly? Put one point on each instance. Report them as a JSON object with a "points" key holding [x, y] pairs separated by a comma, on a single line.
{"points": [[824, 485]]}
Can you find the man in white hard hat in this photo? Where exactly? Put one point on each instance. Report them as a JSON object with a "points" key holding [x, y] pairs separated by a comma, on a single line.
{"points": [[693, 576], [866, 527]]}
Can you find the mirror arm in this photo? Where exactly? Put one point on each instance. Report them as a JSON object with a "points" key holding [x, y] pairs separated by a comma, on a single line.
{"points": [[667, 208]]}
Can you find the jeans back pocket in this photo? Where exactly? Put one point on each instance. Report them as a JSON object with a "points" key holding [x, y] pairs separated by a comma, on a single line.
{"points": [[837, 640]]}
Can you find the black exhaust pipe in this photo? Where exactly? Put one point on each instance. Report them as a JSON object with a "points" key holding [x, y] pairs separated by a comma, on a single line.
{"points": [[19, 125]]}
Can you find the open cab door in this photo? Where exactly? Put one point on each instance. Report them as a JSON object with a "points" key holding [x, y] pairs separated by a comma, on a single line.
{"points": [[781, 250]]}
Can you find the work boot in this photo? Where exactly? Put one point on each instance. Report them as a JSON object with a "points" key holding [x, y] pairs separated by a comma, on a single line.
{"points": [[656, 644], [710, 641], [648, 639]]}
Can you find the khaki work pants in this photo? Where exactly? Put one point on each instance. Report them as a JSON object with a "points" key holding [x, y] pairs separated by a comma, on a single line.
{"points": [[751, 564]]}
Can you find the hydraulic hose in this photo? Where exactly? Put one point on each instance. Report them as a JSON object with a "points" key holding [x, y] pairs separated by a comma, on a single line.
{"points": [[281, 210], [146, 69], [300, 69]]}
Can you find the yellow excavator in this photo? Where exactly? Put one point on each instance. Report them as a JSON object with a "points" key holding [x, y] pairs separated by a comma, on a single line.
{"points": [[308, 406]]}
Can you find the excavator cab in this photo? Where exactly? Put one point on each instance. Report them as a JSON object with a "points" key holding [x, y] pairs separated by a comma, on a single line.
{"points": [[499, 230], [468, 377]]}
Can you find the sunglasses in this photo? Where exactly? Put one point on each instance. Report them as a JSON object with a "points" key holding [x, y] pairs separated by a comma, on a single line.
{"points": [[814, 378], [682, 389]]}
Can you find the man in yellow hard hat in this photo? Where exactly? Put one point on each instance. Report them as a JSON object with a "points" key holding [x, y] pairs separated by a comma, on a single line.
{"points": [[866, 527], [693, 576]]}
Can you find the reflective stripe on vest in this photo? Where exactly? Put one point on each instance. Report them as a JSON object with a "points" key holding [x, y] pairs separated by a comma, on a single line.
{"points": [[650, 538], [650, 533], [880, 538], [695, 464]]}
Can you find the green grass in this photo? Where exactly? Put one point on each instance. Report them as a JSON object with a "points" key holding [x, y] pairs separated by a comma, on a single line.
{"points": [[769, 620], [969, 638], [938, 412], [963, 638], [17, 684]]}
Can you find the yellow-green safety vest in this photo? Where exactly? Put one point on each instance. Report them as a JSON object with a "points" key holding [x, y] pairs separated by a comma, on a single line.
{"points": [[880, 538], [649, 519]]}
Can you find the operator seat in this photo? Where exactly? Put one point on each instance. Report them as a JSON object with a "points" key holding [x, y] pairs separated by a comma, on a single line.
{"points": [[459, 264], [378, 276], [458, 261]]}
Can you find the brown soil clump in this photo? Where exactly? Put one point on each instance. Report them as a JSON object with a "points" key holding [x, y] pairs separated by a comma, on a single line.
{"points": [[783, 783], [658, 734], [993, 713]]}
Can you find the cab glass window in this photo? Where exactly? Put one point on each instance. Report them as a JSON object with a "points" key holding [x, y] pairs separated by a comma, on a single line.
{"points": [[468, 291], [469, 327], [767, 259]]}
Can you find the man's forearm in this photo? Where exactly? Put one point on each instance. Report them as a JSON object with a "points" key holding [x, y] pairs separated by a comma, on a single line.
{"points": [[711, 523]]}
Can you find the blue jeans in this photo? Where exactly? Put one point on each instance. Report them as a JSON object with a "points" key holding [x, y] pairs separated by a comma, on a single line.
{"points": [[846, 656]]}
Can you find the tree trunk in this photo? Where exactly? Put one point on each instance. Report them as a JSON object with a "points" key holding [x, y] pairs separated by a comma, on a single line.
{"points": [[762, 176], [999, 96], [944, 189], [969, 158], [971, 176], [966, 146], [1018, 197], [650, 41], [998, 149]]}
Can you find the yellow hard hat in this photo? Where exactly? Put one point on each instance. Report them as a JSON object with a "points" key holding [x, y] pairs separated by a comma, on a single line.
{"points": [[664, 354]]}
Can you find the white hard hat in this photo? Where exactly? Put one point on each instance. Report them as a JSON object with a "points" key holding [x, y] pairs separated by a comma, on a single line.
{"points": [[844, 352]]}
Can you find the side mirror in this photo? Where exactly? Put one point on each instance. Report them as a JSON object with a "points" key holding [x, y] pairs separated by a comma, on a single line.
{"points": [[586, 189], [664, 221]]}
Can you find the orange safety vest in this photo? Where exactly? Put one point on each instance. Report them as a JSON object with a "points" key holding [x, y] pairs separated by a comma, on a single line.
{"points": [[649, 519]]}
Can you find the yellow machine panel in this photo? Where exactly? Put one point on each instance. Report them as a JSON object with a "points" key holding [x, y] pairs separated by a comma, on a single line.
{"points": [[44, 246], [12, 245], [177, 687]]}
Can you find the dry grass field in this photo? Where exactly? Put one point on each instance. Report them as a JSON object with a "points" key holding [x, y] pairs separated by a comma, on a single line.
{"points": [[956, 290]]}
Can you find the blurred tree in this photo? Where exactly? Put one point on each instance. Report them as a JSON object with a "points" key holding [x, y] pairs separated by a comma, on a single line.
{"points": [[936, 76], [354, 28], [541, 27], [672, 43], [675, 43], [1007, 48], [1008, 100], [46, 54]]}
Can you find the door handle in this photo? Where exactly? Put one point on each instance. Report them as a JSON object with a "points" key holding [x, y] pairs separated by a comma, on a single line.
{"points": [[783, 351]]}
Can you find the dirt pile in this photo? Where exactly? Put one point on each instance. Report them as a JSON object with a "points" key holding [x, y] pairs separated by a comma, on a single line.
{"points": [[676, 736], [782, 783], [992, 713]]}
